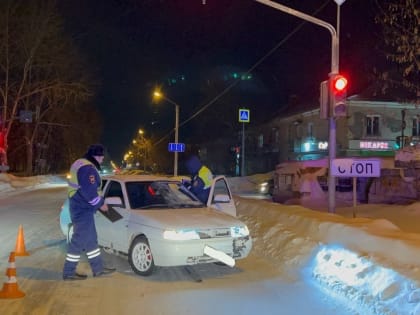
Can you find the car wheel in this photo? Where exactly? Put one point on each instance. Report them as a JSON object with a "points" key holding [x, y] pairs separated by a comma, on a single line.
{"points": [[140, 257]]}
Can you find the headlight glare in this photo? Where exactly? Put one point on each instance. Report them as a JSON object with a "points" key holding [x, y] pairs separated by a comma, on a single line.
{"points": [[263, 187]]}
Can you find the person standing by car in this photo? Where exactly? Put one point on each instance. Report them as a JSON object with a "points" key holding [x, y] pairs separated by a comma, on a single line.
{"points": [[201, 178], [84, 193]]}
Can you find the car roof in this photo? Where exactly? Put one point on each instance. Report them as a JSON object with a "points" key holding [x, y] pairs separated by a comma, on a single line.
{"points": [[141, 178]]}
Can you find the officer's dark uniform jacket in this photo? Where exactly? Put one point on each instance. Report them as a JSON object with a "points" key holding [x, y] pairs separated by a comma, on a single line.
{"points": [[85, 198], [85, 185], [201, 178]]}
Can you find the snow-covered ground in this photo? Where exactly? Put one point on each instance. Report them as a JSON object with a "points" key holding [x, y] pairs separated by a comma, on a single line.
{"points": [[367, 257]]}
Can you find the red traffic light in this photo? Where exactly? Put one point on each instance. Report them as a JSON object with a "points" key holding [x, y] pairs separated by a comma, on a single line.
{"points": [[338, 96], [339, 83]]}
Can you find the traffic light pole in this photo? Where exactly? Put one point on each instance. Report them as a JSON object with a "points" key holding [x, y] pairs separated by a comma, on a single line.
{"points": [[331, 157], [176, 131], [334, 71]]}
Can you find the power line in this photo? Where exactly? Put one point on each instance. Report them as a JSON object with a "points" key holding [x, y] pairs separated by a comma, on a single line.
{"points": [[233, 84]]}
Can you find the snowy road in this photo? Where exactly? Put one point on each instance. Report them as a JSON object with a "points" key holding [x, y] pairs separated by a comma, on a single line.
{"points": [[254, 286]]}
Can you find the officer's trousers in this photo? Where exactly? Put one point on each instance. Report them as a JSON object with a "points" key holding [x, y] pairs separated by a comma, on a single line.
{"points": [[84, 239]]}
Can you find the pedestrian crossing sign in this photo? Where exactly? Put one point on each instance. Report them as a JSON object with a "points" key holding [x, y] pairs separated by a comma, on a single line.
{"points": [[243, 115]]}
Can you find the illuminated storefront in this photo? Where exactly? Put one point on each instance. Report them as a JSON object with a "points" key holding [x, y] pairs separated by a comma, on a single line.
{"points": [[372, 148]]}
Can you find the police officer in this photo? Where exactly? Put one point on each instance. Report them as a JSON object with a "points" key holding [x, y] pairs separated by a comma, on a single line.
{"points": [[84, 192], [201, 178]]}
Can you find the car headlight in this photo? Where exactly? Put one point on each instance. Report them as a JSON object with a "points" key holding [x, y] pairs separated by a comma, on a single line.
{"points": [[263, 187], [239, 231], [181, 235]]}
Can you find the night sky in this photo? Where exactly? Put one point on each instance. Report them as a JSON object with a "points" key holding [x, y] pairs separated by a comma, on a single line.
{"points": [[135, 45]]}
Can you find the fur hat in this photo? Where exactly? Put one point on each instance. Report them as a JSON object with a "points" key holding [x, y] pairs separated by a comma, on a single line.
{"points": [[193, 164], [96, 150]]}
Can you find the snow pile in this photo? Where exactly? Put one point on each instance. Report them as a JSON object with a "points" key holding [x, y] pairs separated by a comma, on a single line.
{"points": [[248, 184], [10, 184], [350, 258]]}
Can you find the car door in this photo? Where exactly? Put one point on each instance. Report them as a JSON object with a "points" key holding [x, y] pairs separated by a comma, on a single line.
{"points": [[112, 226], [220, 196]]}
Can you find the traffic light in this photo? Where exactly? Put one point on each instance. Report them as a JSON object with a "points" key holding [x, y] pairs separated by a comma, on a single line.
{"points": [[338, 89], [324, 100]]}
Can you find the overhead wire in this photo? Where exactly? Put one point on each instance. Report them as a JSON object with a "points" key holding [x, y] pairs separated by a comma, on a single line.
{"points": [[234, 83]]}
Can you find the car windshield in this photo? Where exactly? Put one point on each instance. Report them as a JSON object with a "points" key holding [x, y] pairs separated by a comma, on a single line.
{"points": [[160, 194]]}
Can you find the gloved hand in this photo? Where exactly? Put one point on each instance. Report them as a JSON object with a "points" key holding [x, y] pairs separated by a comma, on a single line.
{"points": [[104, 208], [186, 183]]}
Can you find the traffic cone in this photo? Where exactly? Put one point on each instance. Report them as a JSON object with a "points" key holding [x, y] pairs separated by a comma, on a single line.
{"points": [[10, 288], [20, 244]]}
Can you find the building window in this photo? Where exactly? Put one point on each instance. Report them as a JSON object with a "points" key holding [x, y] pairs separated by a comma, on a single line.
{"points": [[310, 130], [299, 132], [290, 138], [416, 126], [372, 125]]}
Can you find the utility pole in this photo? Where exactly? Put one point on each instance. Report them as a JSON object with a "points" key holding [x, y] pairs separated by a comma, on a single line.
{"points": [[334, 71]]}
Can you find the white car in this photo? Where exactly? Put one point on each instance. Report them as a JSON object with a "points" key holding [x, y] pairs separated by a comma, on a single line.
{"points": [[156, 221]]}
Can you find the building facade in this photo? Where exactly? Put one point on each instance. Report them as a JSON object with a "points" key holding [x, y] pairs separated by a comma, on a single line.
{"points": [[371, 128]]}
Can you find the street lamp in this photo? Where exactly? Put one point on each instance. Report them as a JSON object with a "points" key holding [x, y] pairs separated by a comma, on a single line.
{"points": [[140, 145], [158, 95], [334, 71], [136, 147]]}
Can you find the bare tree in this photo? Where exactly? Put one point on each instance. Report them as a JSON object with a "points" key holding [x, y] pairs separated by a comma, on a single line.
{"points": [[400, 22], [41, 76]]}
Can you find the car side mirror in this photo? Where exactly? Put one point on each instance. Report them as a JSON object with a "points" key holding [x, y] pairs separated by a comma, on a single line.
{"points": [[116, 201]]}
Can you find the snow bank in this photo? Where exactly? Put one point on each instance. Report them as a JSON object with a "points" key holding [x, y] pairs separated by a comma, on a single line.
{"points": [[369, 262], [10, 184], [362, 235]]}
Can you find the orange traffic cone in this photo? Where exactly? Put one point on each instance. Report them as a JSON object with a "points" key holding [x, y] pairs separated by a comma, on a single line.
{"points": [[20, 244], [10, 288]]}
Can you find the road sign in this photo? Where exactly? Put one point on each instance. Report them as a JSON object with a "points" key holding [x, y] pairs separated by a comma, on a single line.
{"points": [[356, 167], [243, 115], [176, 147]]}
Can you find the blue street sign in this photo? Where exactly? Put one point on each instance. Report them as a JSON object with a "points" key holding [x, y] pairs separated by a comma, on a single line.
{"points": [[243, 115], [176, 147]]}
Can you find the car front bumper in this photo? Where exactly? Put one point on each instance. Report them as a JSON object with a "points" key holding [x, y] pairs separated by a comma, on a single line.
{"points": [[178, 253]]}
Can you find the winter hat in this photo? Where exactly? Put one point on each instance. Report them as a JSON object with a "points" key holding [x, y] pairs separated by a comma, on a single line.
{"points": [[96, 150], [193, 164]]}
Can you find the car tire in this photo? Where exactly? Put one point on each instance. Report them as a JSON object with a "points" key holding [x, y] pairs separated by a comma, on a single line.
{"points": [[140, 257]]}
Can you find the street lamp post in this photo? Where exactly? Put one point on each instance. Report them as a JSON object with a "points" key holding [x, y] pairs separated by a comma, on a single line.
{"points": [[334, 71], [160, 95], [137, 150], [143, 146]]}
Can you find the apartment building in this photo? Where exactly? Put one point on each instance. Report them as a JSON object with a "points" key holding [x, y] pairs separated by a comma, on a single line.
{"points": [[371, 128]]}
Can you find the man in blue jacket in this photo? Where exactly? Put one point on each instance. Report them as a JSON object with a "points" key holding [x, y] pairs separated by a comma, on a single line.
{"points": [[84, 192], [201, 178]]}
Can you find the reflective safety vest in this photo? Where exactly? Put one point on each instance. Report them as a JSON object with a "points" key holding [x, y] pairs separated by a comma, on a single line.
{"points": [[73, 182], [206, 176]]}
